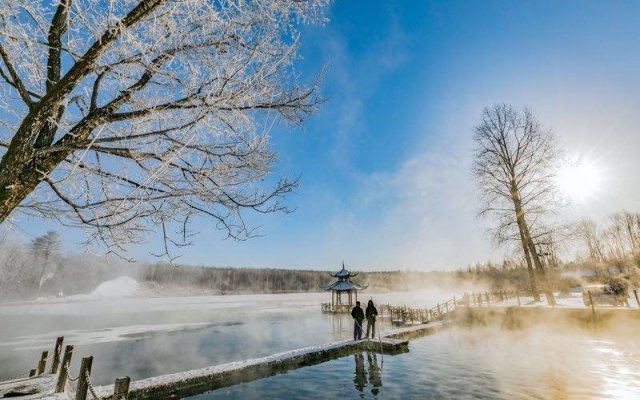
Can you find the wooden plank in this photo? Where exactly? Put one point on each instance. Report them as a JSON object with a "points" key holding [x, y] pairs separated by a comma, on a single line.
{"points": [[37, 387], [201, 380]]}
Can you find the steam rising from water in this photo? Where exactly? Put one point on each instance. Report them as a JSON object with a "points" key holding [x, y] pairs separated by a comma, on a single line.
{"points": [[148, 337]]}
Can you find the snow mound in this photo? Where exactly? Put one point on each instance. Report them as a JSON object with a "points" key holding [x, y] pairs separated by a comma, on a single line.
{"points": [[123, 286]]}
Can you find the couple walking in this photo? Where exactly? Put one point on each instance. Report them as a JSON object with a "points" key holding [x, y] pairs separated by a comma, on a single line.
{"points": [[359, 316]]}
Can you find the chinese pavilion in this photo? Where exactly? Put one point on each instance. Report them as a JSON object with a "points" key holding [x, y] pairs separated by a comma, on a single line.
{"points": [[342, 287]]}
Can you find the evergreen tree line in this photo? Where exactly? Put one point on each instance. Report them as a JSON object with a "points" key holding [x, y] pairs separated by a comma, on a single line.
{"points": [[272, 280]]}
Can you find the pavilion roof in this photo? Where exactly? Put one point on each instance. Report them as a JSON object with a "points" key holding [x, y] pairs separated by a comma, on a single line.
{"points": [[341, 286], [344, 273]]}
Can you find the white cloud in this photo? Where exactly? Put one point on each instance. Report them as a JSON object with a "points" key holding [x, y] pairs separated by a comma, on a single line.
{"points": [[420, 216]]}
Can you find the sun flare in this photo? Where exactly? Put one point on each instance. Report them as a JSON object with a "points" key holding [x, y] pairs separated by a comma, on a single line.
{"points": [[579, 180]]}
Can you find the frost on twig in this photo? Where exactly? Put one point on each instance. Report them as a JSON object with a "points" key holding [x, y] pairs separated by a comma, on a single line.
{"points": [[126, 116]]}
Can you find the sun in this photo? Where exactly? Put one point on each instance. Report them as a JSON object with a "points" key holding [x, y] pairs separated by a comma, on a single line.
{"points": [[579, 180]]}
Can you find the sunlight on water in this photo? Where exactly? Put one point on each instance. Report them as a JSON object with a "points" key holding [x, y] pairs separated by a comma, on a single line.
{"points": [[150, 337], [480, 363]]}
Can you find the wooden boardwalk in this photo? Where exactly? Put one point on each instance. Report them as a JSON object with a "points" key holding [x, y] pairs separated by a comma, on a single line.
{"points": [[201, 380], [36, 387], [43, 386]]}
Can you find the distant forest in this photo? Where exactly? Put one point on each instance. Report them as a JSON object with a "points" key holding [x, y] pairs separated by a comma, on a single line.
{"points": [[271, 280], [39, 269]]}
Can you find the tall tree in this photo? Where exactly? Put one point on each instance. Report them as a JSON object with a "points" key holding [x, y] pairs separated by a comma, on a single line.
{"points": [[45, 250], [588, 232], [515, 165], [118, 115]]}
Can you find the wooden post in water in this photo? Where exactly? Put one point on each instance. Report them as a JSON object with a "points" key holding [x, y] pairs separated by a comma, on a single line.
{"points": [[121, 389], [83, 385], [518, 295], [56, 355], [593, 308], [42, 364], [32, 372], [635, 293], [64, 369]]}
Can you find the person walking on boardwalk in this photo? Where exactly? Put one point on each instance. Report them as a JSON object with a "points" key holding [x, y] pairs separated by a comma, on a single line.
{"points": [[358, 318], [371, 314]]}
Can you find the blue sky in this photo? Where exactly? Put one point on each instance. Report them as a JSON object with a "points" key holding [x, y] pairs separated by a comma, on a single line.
{"points": [[385, 165]]}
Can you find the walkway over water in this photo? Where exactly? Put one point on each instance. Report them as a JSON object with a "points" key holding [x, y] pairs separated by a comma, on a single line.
{"points": [[42, 386], [421, 322]]}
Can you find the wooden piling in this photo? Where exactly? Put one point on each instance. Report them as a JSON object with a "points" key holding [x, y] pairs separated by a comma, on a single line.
{"points": [[32, 372], [42, 364], [121, 389], [56, 355], [518, 295], [83, 385], [635, 293], [64, 369]]}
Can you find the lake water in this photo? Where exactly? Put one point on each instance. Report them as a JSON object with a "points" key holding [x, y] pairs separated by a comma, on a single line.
{"points": [[149, 337], [467, 364], [146, 337]]}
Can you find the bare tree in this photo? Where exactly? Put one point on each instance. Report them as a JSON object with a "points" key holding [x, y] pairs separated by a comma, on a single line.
{"points": [[45, 250], [118, 115], [587, 230], [515, 164]]}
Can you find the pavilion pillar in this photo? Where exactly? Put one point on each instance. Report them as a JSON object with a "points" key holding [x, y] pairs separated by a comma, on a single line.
{"points": [[333, 307], [356, 293]]}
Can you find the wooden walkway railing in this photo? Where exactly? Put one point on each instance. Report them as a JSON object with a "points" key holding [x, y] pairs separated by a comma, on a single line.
{"points": [[480, 299], [403, 315], [30, 384]]}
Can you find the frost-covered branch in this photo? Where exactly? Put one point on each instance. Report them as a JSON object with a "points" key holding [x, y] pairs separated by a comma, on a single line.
{"points": [[124, 114]]}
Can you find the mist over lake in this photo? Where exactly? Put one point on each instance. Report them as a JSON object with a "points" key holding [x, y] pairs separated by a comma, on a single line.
{"points": [[144, 337]]}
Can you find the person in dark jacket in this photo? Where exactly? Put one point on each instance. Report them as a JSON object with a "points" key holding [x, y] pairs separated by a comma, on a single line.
{"points": [[371, 314], [358, 318]]}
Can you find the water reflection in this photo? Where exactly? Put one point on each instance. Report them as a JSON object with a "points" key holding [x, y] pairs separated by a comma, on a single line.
{"points": [[374, 373], [360, 379], [492, 364]]}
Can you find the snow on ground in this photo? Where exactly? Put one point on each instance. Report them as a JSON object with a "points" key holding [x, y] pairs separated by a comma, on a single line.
{"points": [[118, 288], [123, 286], [569, 300]]}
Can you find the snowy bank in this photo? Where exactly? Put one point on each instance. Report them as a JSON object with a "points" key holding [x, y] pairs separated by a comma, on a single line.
{"points": [[121, 287]]}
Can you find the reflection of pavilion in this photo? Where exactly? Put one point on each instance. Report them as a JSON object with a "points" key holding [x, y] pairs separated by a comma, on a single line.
{"points": [[343, 286]]}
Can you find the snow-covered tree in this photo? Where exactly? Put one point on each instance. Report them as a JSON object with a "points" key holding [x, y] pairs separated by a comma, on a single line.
{"points": [[121, 115], [45, 250]]}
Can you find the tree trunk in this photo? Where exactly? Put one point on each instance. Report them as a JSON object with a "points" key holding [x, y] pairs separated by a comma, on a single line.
{"points": [[536, 259], [530, 249], [21, 170], [527, 256]]}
